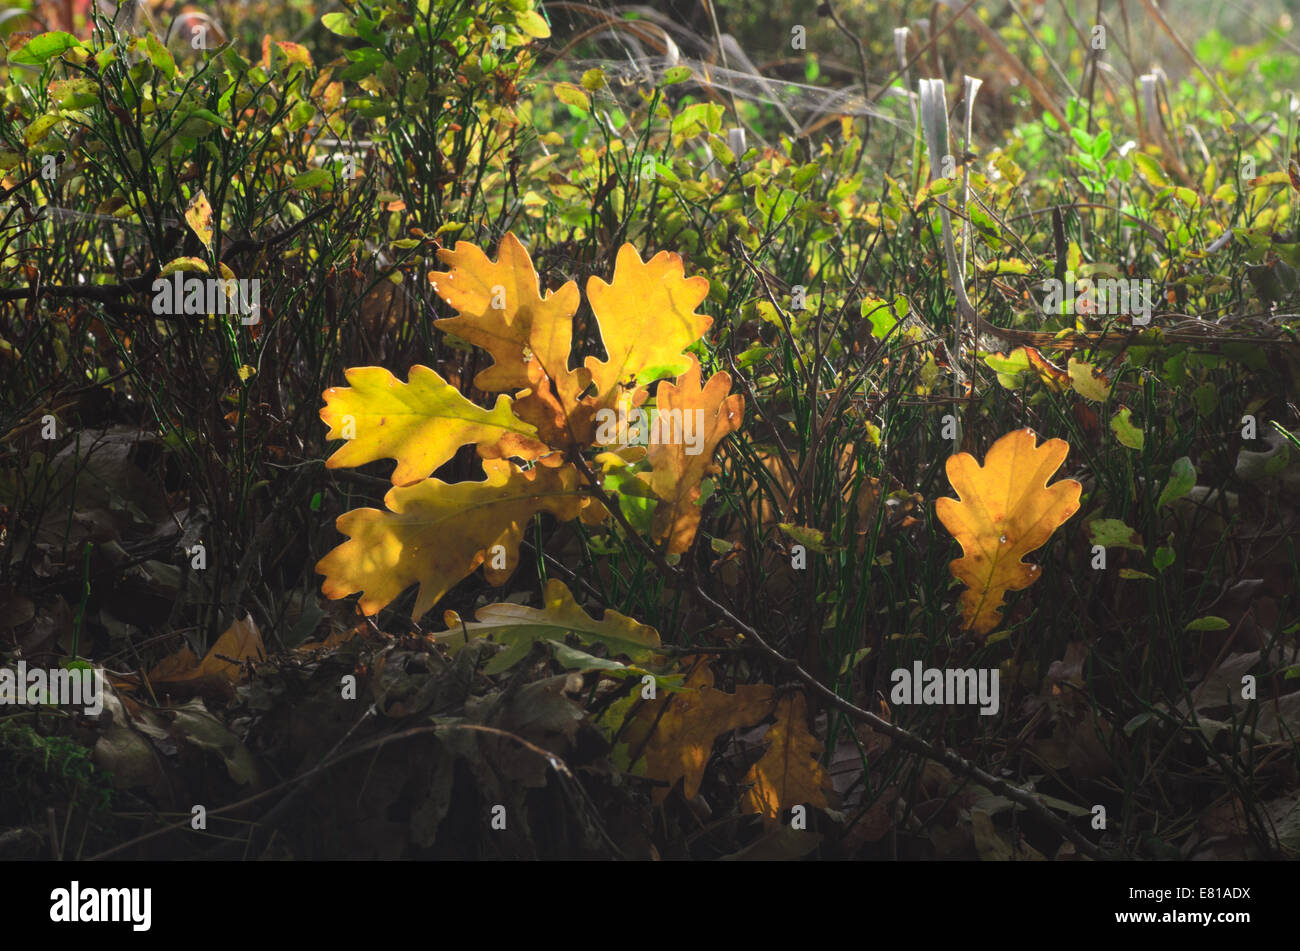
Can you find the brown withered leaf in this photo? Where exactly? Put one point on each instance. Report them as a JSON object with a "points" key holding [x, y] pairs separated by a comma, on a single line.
{"points": [[674, 742], [221, 668]]}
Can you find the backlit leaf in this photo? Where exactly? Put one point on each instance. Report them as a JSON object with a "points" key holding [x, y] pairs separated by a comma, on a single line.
{"points": [[1087, 382], [421, 424], [434, 533], [199, 217], [43, 47], [529, 336], [676, 466], [1128, 434], [647, 319], [1006, 511]]}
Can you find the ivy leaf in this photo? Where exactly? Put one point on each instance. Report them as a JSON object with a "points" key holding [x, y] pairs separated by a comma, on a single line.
{"points": [[671, 738], [647, 320], [518, 626], [435, 533], [1006, 510], [789, 773], [676, 467], [421, 424]]}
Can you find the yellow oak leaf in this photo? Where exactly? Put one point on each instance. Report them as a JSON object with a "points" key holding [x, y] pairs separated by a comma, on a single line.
{"points": [[500, 308], [647, 319], [435, 533], [421, 424], [1007, 510], [671, 738], [678, 465], [518, 627], [789, 773]]}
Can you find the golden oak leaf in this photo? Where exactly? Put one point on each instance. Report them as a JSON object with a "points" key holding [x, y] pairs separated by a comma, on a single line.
{"points": [[435, 533], [672, 737], [421, 424], [647, 319], [518, 627], [1007, 510], [677, 466], [789, 773], [501, 309]]}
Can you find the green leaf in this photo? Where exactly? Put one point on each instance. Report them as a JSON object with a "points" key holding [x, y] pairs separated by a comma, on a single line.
{"points": [[571, 658], [880, 314], [571, 95], [74, 93], [312, 179], [42, 48], [810, 538], [533, 23], [1134, 575], [40, 128], [1087, 381], [1132, 726], [339, 24], [518, 627], [1182, 476], [207, 115], [1113, 533], [1208, 623], [183, 264], [675, 74], [1008, 367], [851, 661], [1150, 169], [160, 56], [1124, 430], [1163, 558]]}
